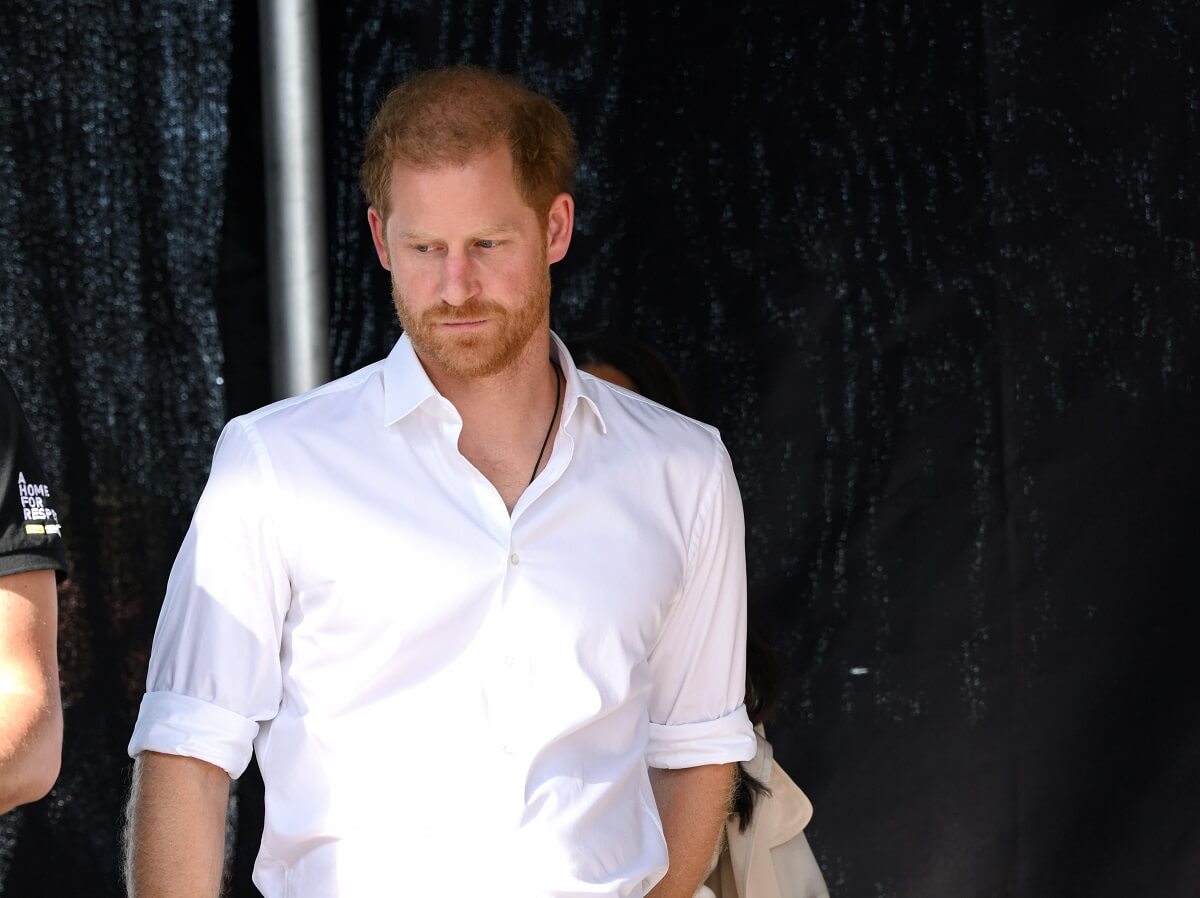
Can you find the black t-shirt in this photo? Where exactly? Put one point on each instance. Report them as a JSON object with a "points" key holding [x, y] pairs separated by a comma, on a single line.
{"points": [[30, 532]]}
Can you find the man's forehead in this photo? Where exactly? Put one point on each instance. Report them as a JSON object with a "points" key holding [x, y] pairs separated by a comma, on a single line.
{"points": [[480, 196]]}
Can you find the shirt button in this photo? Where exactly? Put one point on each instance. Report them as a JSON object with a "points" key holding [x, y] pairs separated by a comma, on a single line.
{"points": [[509, 660], [507, 749], [514, 558]]}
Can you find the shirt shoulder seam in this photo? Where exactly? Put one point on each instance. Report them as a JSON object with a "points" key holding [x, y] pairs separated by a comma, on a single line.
{"points": [[705, 505], [262, 458], [349, 382], [707, 499], [621, 394]]}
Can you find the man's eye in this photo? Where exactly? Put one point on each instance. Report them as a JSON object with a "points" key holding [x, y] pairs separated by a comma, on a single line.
{"points": [[487, 244], [422, 247]]}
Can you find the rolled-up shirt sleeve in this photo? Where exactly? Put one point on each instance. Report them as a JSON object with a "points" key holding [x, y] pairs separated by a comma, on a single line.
{"points": [[698, 666], [214, 667]]}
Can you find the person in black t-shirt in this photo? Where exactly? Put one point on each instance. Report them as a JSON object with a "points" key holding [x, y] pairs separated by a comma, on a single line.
{"points": [[31, 551]]}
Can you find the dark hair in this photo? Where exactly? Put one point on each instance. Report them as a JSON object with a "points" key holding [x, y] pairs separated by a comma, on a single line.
{"points": [[652, 377], [762, 692], [655, 380]]}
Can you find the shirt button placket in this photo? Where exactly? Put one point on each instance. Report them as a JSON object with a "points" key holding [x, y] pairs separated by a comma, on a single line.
{"points": [[505, 681]]}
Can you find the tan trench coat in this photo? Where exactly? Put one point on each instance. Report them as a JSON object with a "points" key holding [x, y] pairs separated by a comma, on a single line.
{"points": [[771, 859]]}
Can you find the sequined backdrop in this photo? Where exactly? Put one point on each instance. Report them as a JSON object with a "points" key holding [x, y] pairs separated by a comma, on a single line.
{"points": [[931, 268], [112, 148]]}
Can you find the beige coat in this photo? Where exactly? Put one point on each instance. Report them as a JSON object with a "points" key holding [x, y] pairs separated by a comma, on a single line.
{"points": [[771, 859]]}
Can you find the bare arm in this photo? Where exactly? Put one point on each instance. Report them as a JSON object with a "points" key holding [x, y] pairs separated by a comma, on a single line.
{"points": [[175, 827], [30, 705], [693, 803]]}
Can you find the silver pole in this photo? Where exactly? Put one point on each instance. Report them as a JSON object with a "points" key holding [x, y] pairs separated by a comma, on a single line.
{"points": [[296, 246]]}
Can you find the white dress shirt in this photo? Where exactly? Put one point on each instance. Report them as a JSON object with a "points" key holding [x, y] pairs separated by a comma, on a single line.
{"points": [[446, 699]]}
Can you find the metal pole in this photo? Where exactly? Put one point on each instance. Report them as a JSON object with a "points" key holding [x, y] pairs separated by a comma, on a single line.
{"points": [[296, 246]]}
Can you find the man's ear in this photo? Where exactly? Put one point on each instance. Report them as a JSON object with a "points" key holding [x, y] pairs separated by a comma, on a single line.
{"points": [[560, 225], [379, 235]]}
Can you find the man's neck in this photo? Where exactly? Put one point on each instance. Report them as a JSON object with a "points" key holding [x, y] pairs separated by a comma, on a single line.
{"points": [[508, 419], [508, 403]]}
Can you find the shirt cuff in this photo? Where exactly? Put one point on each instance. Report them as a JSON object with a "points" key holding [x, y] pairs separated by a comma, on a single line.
{"points": [[721, 741], [175, 724]]}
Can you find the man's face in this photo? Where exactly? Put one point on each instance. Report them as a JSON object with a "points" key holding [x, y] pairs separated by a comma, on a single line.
{"points": [[469, 262]]}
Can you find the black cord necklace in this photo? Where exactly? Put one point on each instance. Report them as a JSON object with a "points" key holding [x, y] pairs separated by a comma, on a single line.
{"points": [[553, 418]]}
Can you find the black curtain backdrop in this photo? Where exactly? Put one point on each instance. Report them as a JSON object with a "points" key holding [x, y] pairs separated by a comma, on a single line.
{"points": [[931, 268], [113, 128]]}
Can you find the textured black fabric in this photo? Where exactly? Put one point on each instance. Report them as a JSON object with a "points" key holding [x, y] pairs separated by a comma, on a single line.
{"points": [[30, 530], [932, 269], [112, 144]]}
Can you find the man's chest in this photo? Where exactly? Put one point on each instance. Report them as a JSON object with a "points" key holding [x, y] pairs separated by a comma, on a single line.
{"points": [[426, 581]]}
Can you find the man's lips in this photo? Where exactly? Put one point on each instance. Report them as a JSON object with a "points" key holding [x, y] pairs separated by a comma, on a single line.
{"points": [[464, 325]]}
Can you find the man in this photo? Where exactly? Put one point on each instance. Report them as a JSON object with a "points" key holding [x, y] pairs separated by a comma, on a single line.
{"points": [[480, 617], [31, 550]]}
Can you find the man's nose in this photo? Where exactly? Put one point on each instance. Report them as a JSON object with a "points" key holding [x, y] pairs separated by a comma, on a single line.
{"points": [[460, 280]]}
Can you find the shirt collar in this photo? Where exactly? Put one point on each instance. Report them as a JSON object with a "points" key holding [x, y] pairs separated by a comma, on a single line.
{"points": [[576, 388], [406, 386]]}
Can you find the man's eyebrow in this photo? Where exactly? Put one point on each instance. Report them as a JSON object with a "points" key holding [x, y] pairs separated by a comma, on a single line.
{"points": [[503, 227]]}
